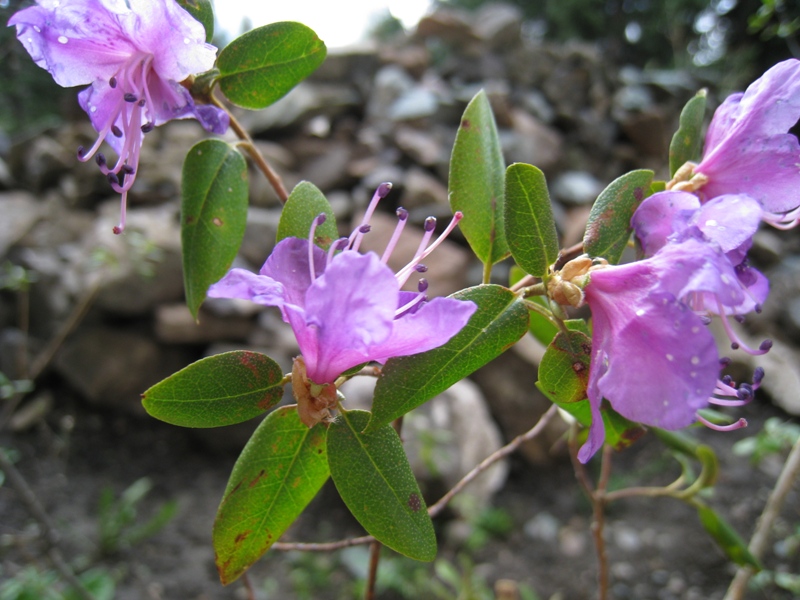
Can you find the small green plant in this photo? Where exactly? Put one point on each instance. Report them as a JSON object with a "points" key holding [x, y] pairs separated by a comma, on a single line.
{"points": [[33, 584], [776, 436], [117, 518]]}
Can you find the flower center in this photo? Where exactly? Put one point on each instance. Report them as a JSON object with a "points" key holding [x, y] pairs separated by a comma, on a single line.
{"points": [[127, 120]]}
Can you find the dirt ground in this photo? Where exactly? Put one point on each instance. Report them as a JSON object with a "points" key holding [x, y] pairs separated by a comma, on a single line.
{"points": [[657, 549]]}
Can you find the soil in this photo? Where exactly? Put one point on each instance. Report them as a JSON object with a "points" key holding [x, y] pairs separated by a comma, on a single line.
{"points": [[656, 547]]}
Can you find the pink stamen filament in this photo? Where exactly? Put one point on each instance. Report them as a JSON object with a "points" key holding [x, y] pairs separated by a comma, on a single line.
{"points": [[783, 221], [318, 220], [339, 244], [402, 216], [421, 297], [404, 273], [723, 402], [735, 340], [380, 193], [732, 427]]}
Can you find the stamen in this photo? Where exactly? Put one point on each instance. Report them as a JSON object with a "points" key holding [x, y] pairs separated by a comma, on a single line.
{"points": [[113, 179], [736, 342], [142, 102], [404, 273], [339, 244], [128, 170], [418, 298], [783, 221], [112, 82], [116, 131], [148, 127], [732, 427], [123, 209], [724, 362], [130, 97], [100, 159], [381, 193], [758, 376], [422, 286], [318, 220], [402, 219], [420, 268]]}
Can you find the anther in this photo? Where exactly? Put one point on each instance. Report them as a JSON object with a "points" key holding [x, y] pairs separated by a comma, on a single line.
{"points": [[113, 83], [724, 362], [706, 320], [100, 159], [81, 152], [765, 346], [130, 97], [420, 268], [113, 179], [116, 131], [734, 346], [128, 169], [727, 380], [430, 224], [384, 189], [758, 308], [402, 213], [422, 286], [142, 102], [148, 127], [739, 318], [758, 376], [745, 392], [364, 229]]}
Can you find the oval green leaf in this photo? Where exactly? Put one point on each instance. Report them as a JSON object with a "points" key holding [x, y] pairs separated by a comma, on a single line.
{"points": [[280, 470], [223, 389], [261, 66], [727, 538], [564, 369], [213, 215], [609, 226], [687, 143], [530, 227], [477, 181], [305, 203], [375, 481], [409, 381], [202, 11]]}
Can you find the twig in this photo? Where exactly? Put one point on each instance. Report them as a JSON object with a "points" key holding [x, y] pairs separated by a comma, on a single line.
{"points": [[258, 158], [248, 586], [442, 503], [758, 543], [49, 532], [372, 576], [493, 458]]}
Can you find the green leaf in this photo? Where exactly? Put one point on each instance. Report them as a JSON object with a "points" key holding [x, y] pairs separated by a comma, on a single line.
{"points": [[213, 215], [687, 143], [280, 470], [304, 204], [218, 390], [202, 11], [261, 66], [726, 537], [477, 181], [408, 381], [609, 226], [375, 481], [529, 223], [540, 326], [564, 369]]}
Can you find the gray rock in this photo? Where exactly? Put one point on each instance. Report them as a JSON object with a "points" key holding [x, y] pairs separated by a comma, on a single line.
{"points": [[20, 212], [176, 325], [531, 142], [499, 25], [417, 103], [576, 187], [259, 234], [420, 188], [424, 147]]}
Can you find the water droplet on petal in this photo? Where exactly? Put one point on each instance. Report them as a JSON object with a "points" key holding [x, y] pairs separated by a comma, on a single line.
{"points": [[186, 40], [640, 312], [62, 39], [695, 360], [711, 223], [693, 374], [93, 109], [37, 29], [670, 358]]}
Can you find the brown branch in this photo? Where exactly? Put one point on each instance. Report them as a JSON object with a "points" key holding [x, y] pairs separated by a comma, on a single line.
{"points": [[258, 158], [442, 503], [760, 539], [372, 576]]}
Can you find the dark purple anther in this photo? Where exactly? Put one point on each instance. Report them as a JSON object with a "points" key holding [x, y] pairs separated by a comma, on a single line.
{"points": [[758, 309], [422, 286], [321, 218], [758, 375], [113, 179], [128, 169], [100, 159], [745, 392], [765, 345], [142, 102], [724, 362], [727, 380], [739, 318], [734, 346], [402, 213], [112, 82], [384, 189], [364, 229], [430, 223], [420, 268], [705, 319], [81, 151], [130, 97], [148, 127], [116, 131]]}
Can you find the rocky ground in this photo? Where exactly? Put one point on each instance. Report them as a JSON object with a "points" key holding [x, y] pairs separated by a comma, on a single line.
{"points": [[103, 319]]}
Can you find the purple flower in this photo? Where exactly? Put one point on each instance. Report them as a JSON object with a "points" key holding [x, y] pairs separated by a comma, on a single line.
{"points": [[653, 358], [748, 149], [729, 222], [346, 308], [134, 53]]}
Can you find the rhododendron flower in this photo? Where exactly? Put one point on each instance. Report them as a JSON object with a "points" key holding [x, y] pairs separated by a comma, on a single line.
{"points": [[346, 308], [653, 358], [729, 222], [749, 150], [134, 53]]}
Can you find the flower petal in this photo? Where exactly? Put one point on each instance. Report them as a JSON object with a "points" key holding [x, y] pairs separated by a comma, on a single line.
{"points": [[434, 323], [730, 221], [240, 283], [350, 308], [288, 264], [661, 216]]}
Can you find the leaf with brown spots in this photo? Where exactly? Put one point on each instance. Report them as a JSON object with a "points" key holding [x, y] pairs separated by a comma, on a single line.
{"points": [[283, 466]]}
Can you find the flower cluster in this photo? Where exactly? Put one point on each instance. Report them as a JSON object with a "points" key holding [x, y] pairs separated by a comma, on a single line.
{"points": [[653, 358], [134, 53], [347, 308]]}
